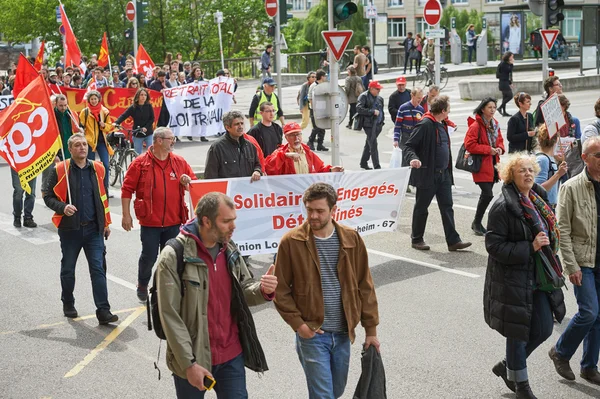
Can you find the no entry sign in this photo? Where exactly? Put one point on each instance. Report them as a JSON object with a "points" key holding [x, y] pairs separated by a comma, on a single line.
{"points": [[130, 11], [432, 12], [271, 7]]}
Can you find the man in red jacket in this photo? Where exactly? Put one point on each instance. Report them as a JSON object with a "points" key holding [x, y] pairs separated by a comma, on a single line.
{"points": [[159, 179], [295, 157]]}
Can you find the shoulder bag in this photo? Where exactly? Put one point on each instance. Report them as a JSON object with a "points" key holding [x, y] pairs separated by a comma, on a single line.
{"points": [[467, 161]]}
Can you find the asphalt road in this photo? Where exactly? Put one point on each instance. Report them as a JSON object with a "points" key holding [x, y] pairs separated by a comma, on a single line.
{"points": [[435, 343]]}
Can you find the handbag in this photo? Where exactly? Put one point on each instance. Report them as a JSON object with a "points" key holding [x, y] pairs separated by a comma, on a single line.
{"points": [[546, 278], [467, 161], [573, 159]]}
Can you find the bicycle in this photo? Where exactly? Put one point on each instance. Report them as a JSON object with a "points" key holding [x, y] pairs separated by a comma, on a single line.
{"points": [[123, 155], [426, 77]]}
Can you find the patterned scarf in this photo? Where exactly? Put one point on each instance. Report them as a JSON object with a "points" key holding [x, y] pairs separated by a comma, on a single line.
{"points": [[491, 130]]}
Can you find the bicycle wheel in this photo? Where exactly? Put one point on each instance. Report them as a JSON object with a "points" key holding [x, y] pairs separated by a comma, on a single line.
{"points": [[420, 79], [443, 79], [126, 160], [114, 169]]}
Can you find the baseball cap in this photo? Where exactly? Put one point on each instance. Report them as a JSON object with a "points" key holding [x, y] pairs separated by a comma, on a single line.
{"points": [[269, 81], [221, 72], [375, 84], [292, 127], [52, 73], [401, 80]]}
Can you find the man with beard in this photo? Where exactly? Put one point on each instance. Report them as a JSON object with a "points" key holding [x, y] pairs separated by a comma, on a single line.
{"points": [[324, 290], [217, 289], [159, 179]]}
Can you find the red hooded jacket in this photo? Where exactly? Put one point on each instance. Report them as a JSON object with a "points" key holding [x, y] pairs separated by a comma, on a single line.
{"points": [[477, 142], [278, 164]]}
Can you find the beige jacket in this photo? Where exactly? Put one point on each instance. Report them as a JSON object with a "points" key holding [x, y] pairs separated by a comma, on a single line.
{"points": [[577, 220]]}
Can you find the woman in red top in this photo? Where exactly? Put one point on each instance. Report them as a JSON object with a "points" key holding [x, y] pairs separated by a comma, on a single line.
{"points": [[484, 138]]}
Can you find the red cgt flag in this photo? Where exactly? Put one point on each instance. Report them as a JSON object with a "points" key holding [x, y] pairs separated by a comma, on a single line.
{"points": [[72, 49], [39, 60], [29, 136], [25, 74], [103, 55], [144, 62]]}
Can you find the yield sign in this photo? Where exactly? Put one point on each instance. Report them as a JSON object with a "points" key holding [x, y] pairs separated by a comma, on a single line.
{"points": [[549, 36], [432, 12], [337, 41]]}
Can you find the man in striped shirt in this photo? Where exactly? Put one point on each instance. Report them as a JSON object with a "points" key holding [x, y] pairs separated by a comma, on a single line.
{"points": [[409, 114], [325, 289]]}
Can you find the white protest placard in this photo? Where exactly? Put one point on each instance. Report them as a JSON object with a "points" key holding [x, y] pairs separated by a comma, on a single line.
{"points": [[562, 144], [368, 201], [553, 115], [5, 101], [197, 109]]}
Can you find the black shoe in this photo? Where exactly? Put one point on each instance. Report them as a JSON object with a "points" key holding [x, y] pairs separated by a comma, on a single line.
{"points": [[459, 245], [105, 317], [69, 310], [591, 375], [177, 139], [321, 147], [111, 195], [561, 365], [29, 223], [366, 167], [190, 138], [500, 370], [142, 293], [506, 114], [524, 390], [421, 246], [17, 222], [311, 145], [203, 139], [377, 167], [348, 126], [478, 228]]}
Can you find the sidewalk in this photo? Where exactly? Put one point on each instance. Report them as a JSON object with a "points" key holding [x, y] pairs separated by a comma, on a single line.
{"points": [[247, 88]]}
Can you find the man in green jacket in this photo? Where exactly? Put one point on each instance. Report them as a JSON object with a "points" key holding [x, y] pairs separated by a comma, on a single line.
{"points": [[210, 331]]}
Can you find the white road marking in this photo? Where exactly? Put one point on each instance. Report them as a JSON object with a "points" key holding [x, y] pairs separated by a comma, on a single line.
{"points": [[121, 282], [469, 208], [425, 264], [36, 236]]}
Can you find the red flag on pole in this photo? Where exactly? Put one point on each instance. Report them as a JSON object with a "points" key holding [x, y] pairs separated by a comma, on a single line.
{"points": [[144, 62], [72, 49], [103, 55], [29, 136], [25, 74], [39, 60]]}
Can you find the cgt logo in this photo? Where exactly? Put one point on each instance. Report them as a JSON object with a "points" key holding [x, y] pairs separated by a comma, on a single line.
{"points": [[31, 122]]}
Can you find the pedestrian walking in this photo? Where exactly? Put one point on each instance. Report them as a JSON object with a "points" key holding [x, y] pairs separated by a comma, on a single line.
{"points": [[324, 292], [484, 139], [398, 98], [504, 75], [418, 53], [521, 230], [552, 86], [471, 40], [581, 256], [267, 94], [354, 88], [302, 98], [551, 173], [369, 107], [265, 62], [142, 113], [408, 44], [428, 153], [82, 217], [208, 324], [409, 114], [572, 127], [520, 130]]}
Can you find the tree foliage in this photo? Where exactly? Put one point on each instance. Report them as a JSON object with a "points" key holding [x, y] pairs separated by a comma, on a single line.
{"points": [[464, 18]]}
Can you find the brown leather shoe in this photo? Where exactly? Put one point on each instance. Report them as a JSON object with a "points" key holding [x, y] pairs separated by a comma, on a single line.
{"points": [[561, 365], [591, 375], [421, 246], [458, 245]]}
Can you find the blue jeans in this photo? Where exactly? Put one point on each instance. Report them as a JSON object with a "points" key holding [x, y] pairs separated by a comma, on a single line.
{"points": [[91, 240], [540, 330], [152, 238], [103, 153], [138, 143], [230, 380], [325, 359], [18, 197], [472, 50], [585, 325]]}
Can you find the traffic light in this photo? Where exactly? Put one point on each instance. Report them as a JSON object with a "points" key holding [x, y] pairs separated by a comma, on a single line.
{"points": [[128, 34], [141, 13], [554, 12], [343, 9], [271, 30], [284, 8], [537, 7]]}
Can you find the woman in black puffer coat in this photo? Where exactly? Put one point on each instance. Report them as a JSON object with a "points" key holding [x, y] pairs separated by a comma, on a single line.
{"points": [[520, 226]]}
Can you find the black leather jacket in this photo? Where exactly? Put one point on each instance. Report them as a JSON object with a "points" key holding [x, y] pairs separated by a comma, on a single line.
{"points": [[228, 158]]}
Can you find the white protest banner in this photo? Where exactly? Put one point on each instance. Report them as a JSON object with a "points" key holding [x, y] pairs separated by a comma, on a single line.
{"points": [[197, 109], [5, 101], [553, 115], [368, 201]]}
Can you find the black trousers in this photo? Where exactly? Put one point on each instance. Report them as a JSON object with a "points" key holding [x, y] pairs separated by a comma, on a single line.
{"points": [[442, 191], [507, 96], [407, 61], [486, 196], [352, 114], [316, 133], [370, 148]]}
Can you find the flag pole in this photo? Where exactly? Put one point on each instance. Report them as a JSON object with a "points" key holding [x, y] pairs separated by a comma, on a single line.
{"points": [[69, 108]]}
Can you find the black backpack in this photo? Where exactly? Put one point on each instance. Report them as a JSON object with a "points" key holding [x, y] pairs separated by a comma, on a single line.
{"points": [[152, 305], [498, 71]]}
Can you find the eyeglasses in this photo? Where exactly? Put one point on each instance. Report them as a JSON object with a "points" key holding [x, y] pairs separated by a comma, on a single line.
{"points": [[595, 155], [294, 135], [168, 138]]}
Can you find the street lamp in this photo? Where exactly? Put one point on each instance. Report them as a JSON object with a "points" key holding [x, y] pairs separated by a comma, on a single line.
{"points": [[219, 21]]}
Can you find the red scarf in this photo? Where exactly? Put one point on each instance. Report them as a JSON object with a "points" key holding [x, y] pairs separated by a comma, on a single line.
{"points": [[95, 110]]}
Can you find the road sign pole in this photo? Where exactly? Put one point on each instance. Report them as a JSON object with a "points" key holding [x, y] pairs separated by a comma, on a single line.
{"points": [[219, 20], [334, 94], [135, 32], [277, 39], [544, 47], [438, 63]]}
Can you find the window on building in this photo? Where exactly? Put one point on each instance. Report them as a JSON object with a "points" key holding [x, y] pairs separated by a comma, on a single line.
{"points": [[298, 5], [308, 4], [394, 3], [422, 2], [572, 23], [421, 25], [460, 1], [494, 1], [396, 27]]}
